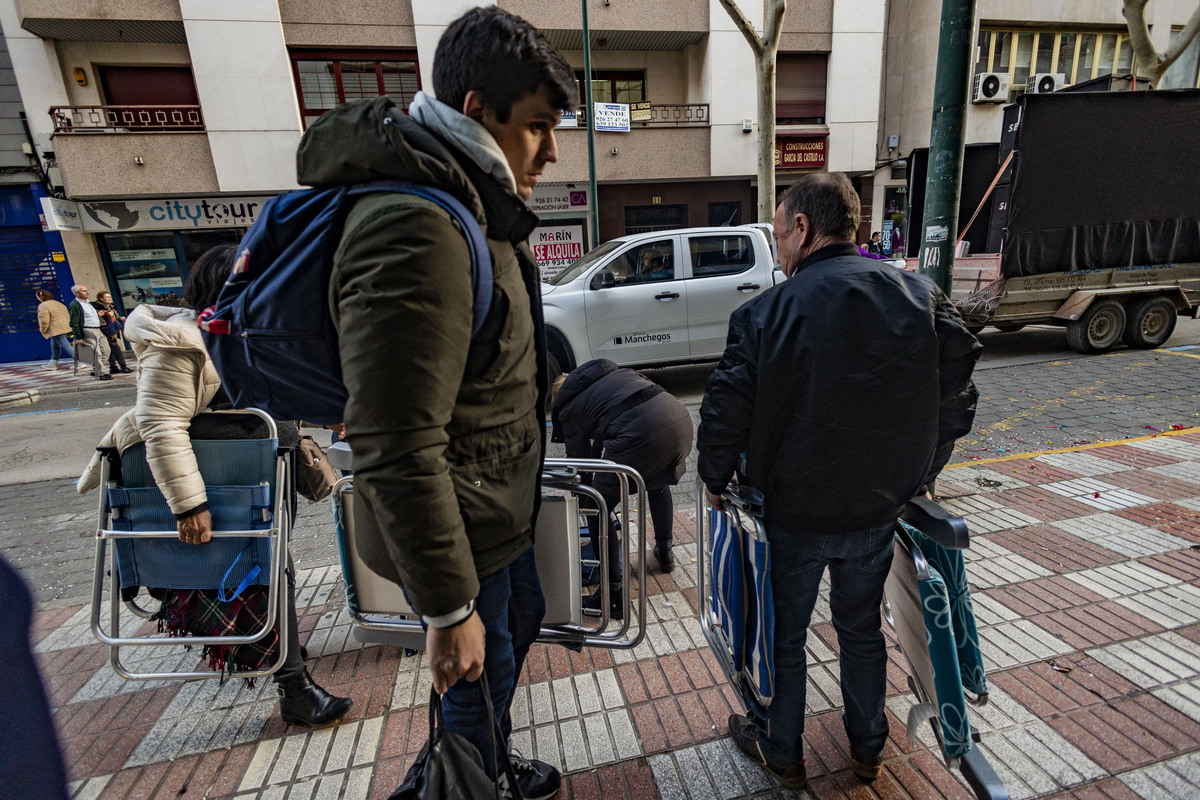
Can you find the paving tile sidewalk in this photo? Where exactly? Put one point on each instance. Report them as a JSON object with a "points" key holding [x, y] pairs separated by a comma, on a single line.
{"points": [[32, 379], [1085, 567]]}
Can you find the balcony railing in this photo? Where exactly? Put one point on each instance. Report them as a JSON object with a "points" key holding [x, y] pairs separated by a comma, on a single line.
{"points": [[122, 119], [685, 114], [675, 115]]}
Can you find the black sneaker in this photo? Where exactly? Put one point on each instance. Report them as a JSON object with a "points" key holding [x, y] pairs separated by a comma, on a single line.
{"points": [[105, 378], [536, 779], [745, 736]]}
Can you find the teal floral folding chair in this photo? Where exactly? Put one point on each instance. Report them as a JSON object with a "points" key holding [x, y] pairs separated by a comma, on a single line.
{"points": [[928, 603]]}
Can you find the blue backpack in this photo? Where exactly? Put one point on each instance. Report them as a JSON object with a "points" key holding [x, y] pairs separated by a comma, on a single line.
{"points": [[270, 334]]}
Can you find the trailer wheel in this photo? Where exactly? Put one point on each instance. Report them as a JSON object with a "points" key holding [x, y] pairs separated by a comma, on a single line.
{"points": [[1098, 329], [1151, 323]]}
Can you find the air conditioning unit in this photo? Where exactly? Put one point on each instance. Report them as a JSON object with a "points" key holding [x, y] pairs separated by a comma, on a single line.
{"points": [[1045, 82], [991, 87]]}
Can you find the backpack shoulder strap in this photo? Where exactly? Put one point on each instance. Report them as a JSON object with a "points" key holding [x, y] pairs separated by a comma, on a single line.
{"points": [[481, 258]]}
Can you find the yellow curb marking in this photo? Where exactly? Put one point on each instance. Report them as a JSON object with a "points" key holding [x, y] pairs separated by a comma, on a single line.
{"points": [[1092, 446]]}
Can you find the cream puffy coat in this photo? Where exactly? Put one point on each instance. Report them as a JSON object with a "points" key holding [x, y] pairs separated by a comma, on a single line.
{"points": [[176, 381]]}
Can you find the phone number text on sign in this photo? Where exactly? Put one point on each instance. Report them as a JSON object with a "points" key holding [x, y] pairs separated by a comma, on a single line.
{"points": [[555, 248]]}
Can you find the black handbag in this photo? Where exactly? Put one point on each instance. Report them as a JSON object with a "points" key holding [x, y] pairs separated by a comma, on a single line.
{"points": [[451, 768]]}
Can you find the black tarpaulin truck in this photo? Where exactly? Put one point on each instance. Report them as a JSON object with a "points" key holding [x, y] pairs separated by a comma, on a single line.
{"points": [[1097, 218]]}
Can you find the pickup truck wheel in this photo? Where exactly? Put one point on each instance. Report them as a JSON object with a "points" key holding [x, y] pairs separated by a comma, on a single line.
{"points": [[1098, 329], [1011, 327], [1151, 323]]}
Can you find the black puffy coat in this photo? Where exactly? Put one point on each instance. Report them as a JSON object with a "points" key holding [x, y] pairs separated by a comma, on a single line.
{"points": [[845, 386], [606, 410]]}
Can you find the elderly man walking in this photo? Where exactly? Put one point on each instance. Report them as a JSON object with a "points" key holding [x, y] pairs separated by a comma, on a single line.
{"points": [[845, 388], [85, 327]]}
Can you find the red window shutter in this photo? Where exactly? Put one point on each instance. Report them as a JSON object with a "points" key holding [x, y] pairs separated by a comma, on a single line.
{"points": [[800, 85]]}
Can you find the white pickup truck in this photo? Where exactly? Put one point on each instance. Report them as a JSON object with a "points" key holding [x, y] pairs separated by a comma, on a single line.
{"points": [[656, 298]]}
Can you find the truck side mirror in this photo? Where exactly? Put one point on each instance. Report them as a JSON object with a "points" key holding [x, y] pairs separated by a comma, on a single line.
{"points": [[604, 279]]}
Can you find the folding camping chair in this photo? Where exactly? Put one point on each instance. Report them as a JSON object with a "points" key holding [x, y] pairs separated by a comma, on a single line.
{"points": [[249, 497], [936, 627], [381, 613], [928, 604]]}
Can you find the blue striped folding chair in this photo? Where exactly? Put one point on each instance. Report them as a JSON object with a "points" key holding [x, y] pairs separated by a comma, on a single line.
{"points": [[928, 604], [248, 489], [737, 611]]}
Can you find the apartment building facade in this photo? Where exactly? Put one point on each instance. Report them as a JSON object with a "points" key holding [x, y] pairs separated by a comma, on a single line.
{"points": [[1056, 44], [172, 121]]}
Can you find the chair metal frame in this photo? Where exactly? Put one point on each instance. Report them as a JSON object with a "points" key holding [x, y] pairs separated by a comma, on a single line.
{"points": [[558, 474], [279, 533]]}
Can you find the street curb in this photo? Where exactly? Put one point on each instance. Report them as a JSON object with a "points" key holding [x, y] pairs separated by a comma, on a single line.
{"points": [[92, 386], [15, 399]]}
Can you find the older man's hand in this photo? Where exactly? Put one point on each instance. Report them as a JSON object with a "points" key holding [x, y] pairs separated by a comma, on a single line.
{"points": [[714, 500], [196, 529]]}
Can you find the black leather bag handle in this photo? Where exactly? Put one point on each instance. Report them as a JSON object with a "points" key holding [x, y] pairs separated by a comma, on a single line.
{"points": [[437, 725]]}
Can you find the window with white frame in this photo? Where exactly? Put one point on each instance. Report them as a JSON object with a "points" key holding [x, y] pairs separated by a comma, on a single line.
{"points": [[1078, 55]]}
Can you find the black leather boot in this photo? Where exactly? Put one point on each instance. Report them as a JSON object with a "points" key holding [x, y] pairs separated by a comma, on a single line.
{"points": [[303, 702], [616, 605], [666, 559]]}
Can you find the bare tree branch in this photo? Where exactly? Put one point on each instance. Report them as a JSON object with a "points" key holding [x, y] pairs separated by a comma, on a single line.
{"points": [[1188, 33], [773, 25], [745, 26], [1150, 61]]}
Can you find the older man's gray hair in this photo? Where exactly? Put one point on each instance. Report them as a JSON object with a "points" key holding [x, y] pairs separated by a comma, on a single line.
{"points": [[77, 288]]}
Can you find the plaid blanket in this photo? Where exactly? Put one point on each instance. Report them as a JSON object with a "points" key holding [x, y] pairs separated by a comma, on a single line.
{"points": [[198, 612]]}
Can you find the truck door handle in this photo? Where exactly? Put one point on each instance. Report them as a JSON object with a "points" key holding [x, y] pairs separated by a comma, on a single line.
{"points": [[666, 296], [748, 287]]}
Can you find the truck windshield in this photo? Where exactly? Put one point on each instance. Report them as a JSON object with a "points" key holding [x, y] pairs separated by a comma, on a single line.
{"points": [[579, 267]]}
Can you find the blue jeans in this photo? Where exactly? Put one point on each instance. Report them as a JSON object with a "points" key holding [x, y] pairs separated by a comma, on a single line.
{"points": [[60, 344], [858, 566], [511, 606]]}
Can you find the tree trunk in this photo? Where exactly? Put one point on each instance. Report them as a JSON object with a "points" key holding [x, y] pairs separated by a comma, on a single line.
{"points": [[765, 68], [764, 50], [1151, 64]]}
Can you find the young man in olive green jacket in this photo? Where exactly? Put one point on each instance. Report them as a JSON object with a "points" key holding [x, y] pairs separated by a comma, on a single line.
{"points": [[448, 431]]}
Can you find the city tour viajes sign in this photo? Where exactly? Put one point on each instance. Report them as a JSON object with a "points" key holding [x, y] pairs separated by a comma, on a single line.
{"points": [[159, 214], [800, 152]]}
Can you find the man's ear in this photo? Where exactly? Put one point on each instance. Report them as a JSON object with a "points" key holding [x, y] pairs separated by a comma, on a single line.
{"points": [[474, 106], [803, 230]]}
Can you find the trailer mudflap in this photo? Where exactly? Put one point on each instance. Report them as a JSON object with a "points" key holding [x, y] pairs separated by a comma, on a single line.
{"points": [[1078, 302]]}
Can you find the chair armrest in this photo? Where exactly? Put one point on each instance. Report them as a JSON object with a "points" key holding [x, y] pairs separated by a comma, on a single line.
{"points": [[937, 523]]}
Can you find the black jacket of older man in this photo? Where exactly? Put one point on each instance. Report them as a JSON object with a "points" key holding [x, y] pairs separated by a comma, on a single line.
{"points": [[845, 387]]}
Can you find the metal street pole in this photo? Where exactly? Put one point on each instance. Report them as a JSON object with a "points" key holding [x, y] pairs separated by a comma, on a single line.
{"points": [[944, 180], [593, 200]]}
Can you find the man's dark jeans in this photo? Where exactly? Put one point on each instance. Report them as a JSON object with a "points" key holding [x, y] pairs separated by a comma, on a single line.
{"points": [[858, 566], [511, 606]]}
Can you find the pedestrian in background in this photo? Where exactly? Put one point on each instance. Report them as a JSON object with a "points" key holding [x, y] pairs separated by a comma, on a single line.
{"points": [[85, 327], [875, 246], [116, 343], [845, 387], [54, 321]]}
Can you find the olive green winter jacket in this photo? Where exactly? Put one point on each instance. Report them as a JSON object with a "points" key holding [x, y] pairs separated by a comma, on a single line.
{"points": [[448, 434]]}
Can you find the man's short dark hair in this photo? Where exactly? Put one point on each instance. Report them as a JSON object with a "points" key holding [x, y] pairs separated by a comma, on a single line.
{"points": [[504, 58], [828, 200], [208, 275]]}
